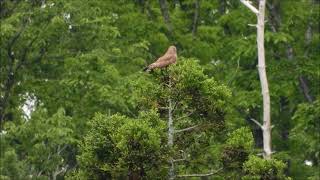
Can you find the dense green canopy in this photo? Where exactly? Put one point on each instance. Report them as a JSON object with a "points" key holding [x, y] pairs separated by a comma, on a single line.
{"points": [[75, 103]]}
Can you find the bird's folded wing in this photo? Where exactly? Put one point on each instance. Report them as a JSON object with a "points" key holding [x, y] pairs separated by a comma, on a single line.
{"points": [[160, 64], [165, 58]]}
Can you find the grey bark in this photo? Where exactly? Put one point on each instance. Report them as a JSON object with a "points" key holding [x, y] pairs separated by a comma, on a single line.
{"points": [[275, 21], [165, 14], [170, 124], [266, 126], [222, 6], [199, 175], [59, 171], [305, 88], [170, 133], [9, 81], [195, 17], [303, 83]]}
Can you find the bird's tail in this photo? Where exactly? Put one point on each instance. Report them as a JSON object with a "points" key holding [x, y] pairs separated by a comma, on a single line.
{"points": [[147, 69]]}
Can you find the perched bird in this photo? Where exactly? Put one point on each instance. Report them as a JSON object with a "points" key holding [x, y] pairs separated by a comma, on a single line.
{"points": [[170, 57]]}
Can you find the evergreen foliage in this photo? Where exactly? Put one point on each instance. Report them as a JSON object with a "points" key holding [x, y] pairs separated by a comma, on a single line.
{"points": [[75, 104]]}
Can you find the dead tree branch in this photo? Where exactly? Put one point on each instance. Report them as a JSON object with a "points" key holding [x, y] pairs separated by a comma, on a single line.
{"points": [[255, 121], [199, 175], [186, 129], [250, 6]]}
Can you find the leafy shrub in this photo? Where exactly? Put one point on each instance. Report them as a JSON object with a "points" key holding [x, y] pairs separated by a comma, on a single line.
{"points": [[258, 168]]}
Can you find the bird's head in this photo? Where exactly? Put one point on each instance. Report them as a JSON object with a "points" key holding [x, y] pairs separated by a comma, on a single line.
{"points": [[172, 49]]}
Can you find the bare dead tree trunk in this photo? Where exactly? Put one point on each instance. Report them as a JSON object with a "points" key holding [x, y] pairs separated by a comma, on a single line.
{"points": [[165, 14], [266, 126]]}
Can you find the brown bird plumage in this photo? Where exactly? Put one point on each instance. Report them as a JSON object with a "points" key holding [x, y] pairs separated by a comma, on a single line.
{"points": [[170, 57]]}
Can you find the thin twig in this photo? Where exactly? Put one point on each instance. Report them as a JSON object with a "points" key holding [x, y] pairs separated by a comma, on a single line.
{"points": [[39, 174], [62, 170], [185, 116], [235, 73], [174, 106], [186, 129], [61, 149], [178, 160]]}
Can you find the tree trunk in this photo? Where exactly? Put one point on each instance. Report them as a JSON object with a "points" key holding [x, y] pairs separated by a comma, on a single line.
{"points": [[302, 80], [266, 127], [133, 175], [170, 133], [275, 21], [170, 124], [222, 7], [195, 17], [165, 14]]}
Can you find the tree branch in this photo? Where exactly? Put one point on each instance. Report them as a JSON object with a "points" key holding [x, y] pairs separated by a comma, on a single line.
{"points": [[9, 82], [174, 106], [185, 116], [178, 160], [61, 149], [252, 25], [199, 175], [63, 169], [57, 171], [250, 6], [305, 89], [302, 80], [255, 121], [170, 132], [186, 129], [235, 73], [39, 174], [14, 39], [25, 54]]}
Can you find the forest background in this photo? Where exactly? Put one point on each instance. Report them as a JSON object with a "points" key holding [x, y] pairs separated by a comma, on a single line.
{"points": [[75, 104]]}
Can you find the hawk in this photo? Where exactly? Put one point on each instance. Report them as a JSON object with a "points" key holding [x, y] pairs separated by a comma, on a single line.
{"points": [[170, 57]]}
